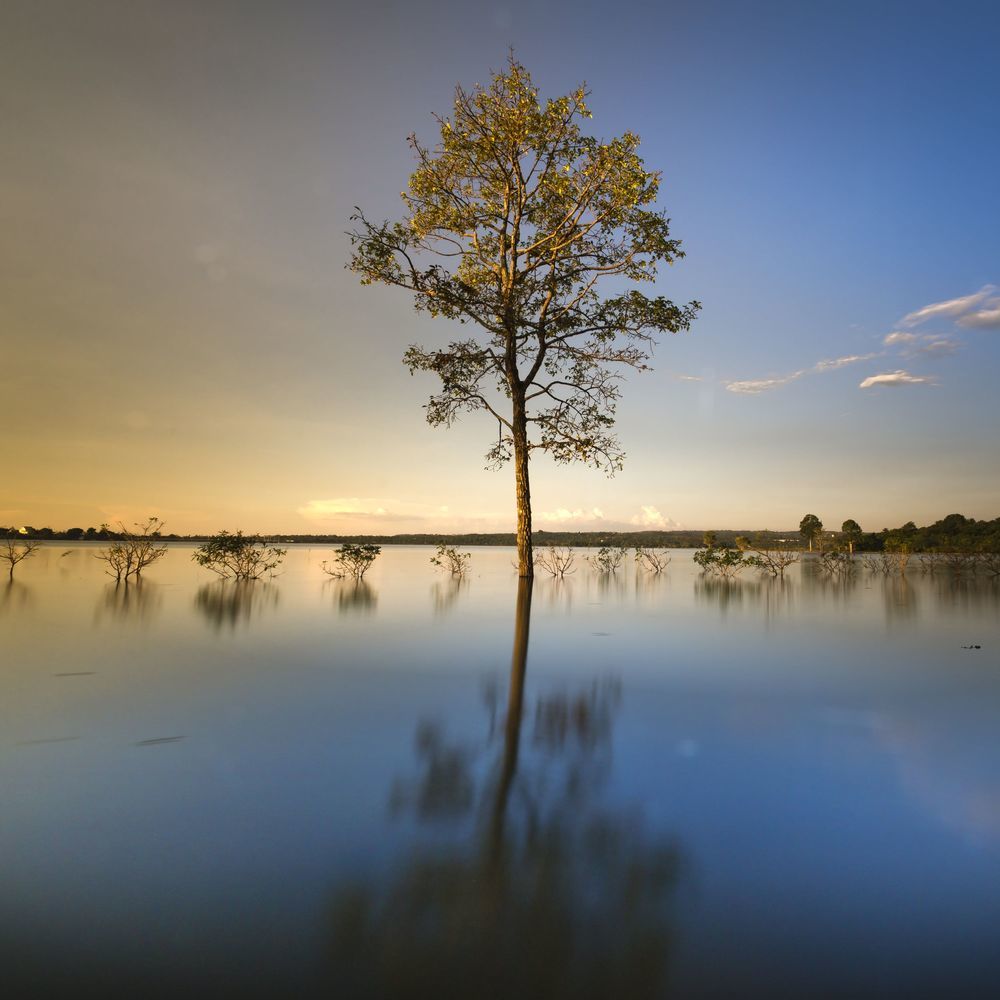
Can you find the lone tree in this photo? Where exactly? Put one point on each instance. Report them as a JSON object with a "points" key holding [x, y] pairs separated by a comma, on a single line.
{"points": [[512, 221], [13, 554], [852, 532], [810, 528]]}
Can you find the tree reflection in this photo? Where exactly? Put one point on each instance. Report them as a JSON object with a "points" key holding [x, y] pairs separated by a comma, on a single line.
{"points": [[137, 601], [353, 596], [900, 598], [231, 602], [14, 596], [444, 593], [554, 894]]}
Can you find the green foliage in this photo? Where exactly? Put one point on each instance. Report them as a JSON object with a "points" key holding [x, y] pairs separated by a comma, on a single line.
{"points": [[515, 223], [608, 559], [726, 563], [810, 528], [353, 560], [450, 559], [239, 556]]}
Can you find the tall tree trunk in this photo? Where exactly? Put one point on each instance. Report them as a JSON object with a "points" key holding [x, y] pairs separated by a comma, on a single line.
{"points": [[525, 562]]}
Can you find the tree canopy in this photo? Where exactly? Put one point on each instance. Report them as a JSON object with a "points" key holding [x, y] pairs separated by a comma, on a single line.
{"points": [[516, 223]]}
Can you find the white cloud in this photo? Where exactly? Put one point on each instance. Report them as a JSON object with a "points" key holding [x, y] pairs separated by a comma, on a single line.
{"points": [[562, 515], [951, 308], [895, 378], [688, 378], [650, 517], [834, 363], [756, 385], [985, 319], [897, 337]]}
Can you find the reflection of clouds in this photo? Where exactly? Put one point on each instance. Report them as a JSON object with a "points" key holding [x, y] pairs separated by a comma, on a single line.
{"points": [[230, 602], [949, 767]]}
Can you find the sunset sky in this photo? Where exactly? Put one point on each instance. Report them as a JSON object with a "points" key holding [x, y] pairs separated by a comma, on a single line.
{"points": [[180, 336]]}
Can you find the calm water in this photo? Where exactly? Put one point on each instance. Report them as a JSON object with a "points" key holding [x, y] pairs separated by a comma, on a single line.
{"points": [[625, 787]]}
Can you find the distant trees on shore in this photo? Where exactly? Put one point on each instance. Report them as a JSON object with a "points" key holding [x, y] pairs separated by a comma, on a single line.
{"points": [[952, 533]]}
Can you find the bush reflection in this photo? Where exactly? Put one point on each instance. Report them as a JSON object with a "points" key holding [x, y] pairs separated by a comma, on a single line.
{"points": [[235, 602]]}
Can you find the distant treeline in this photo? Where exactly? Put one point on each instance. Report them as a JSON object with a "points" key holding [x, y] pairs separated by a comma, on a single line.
{"points": [[952, 533]]}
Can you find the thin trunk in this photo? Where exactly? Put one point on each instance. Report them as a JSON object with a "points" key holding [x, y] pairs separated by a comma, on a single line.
{"points": [[525, 562]]}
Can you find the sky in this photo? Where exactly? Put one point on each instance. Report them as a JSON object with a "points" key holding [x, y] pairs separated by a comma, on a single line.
{"points": [[180, 336]]}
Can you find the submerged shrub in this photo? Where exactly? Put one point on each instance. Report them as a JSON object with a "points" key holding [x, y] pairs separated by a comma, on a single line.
{"points": [[608, 559], [722, 562], [556, 560], [353, 560], [133, 551], [450, 559], [238, 556], [655, 560]]}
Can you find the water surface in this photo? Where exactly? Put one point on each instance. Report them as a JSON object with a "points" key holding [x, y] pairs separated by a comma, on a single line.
{"points": [[628, 786]]}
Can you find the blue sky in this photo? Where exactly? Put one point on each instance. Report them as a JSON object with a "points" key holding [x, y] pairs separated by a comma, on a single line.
{"points": [[179, 176]]}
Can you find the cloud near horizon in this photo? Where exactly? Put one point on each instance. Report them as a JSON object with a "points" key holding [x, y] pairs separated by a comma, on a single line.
{"points": [[650, 517], [895, 378], [954, 308], [563, 515]]}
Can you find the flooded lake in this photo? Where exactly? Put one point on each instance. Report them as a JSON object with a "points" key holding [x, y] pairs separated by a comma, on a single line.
{"points": [[627, 786]]}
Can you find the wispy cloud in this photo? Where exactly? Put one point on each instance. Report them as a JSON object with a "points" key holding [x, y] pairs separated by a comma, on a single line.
{"points": [[897, 337], [927, 345], [896, 378], [344, 509], [757, 385], [753, 386], [688, 378], [949, 309], [939, 347], [834, 363], [983, 319]]}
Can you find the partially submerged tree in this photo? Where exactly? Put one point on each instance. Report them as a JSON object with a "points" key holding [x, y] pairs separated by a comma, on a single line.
{"points": [[654, 560], [352, 560], [133, 551], [13, 554], [239, 556], [451, 560], [608, 559], [513, 220], [556, 560]]}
